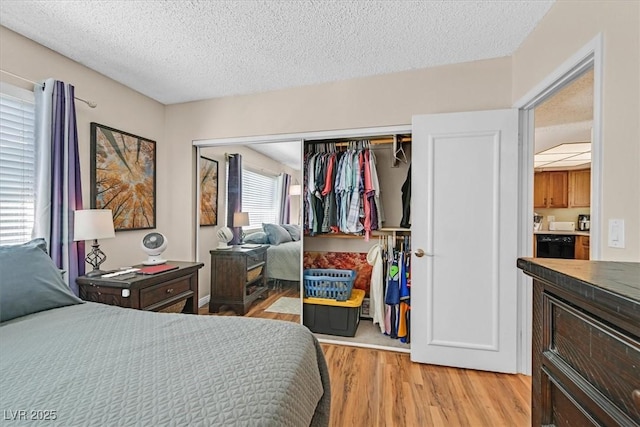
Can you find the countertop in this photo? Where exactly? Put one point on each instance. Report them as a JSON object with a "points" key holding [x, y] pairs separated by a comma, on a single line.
{"points": [[563, 233], [610, 289], [619, 278]]}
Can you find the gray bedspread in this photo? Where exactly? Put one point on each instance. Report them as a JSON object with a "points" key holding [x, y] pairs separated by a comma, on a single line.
{"points": [[97, 365], [283, 261]]}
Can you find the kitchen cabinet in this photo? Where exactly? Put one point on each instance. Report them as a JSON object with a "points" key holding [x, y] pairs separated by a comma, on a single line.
{"points": [[551, 189], [580, 188], [582, 247]]}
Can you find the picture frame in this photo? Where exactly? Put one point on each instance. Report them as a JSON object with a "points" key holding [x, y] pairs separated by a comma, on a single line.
{"points": [[123, 177], [208, 191]]}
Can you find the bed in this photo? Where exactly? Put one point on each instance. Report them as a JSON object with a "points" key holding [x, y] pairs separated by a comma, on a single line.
{"points": [[283, 251], [83, 363], [283, 261]]}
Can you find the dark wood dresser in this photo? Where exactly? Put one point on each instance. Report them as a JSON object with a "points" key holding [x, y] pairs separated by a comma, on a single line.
{"points": [[238, 277], [586, 345], [154, 292]]}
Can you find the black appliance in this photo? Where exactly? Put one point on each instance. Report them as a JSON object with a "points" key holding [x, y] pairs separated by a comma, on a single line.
{"points": [[555, 246]]}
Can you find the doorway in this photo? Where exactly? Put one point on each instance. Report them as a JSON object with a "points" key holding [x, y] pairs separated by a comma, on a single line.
{"points": [[587, 59], [562, 164]]}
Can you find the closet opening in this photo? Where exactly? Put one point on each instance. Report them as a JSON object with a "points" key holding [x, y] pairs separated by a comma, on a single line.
{"points": [[391, 147], [356, 218]]}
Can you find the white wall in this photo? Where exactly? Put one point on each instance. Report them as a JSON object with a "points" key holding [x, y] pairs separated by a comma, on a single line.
{"points": [[566, 28], [118, 107]]}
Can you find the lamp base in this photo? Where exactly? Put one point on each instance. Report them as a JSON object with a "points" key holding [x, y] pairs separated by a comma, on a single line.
{"points": [[95, 273]]}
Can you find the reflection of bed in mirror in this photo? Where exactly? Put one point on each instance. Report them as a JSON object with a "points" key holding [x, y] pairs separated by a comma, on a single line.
{"points": [[284, 249], [283, 262]]}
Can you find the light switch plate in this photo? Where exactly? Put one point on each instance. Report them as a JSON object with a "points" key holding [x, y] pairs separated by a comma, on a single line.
{"points": [[616, 233]]}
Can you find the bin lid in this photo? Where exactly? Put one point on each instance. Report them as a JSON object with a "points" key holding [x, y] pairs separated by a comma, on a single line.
{"points": [[355, 300]]}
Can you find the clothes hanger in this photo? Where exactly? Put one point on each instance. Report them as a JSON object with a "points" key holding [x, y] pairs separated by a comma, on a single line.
{"points": [[398, 151]]}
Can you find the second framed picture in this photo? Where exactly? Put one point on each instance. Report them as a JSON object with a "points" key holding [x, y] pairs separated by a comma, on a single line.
{"points": [[123, 177], [208, 191]]}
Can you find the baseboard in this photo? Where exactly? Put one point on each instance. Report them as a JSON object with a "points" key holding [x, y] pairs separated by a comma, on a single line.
{"points": [[204, 300]]}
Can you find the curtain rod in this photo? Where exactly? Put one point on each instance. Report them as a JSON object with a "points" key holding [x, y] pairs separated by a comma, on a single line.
{"points": [[89, 103]]}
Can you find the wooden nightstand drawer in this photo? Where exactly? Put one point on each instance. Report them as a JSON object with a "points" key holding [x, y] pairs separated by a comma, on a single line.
{"points": [[147, 292], [256, 258], [165, 293]]}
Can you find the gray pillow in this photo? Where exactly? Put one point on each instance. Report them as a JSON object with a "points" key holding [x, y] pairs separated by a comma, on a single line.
{"points": [[259, 237], [293, 230], [30, 282], [276, 233], [39, 243]]}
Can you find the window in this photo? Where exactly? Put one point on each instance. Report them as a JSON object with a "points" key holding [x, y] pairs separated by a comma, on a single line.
{"points": [[259, 198], [17, 164]]}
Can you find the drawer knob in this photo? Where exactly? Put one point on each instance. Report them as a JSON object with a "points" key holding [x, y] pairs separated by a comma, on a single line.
{"points": [[170, 290], [635, 394]]}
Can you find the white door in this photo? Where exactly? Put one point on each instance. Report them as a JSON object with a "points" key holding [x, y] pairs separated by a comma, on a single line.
{"points": [[464, 218]]}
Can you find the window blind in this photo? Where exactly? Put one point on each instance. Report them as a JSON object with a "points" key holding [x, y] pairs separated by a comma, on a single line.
{"points": [[17, 166], [258, 198]]}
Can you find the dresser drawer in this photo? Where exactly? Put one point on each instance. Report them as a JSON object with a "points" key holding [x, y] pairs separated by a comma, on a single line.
{"points": [[580, 339], [162, 292]]}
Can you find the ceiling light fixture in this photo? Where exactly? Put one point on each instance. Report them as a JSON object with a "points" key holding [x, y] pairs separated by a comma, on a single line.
{"points": [[564, 155]]}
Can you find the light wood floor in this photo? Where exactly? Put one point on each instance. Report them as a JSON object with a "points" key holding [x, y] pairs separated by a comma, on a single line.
{"points": [[372, 388]]}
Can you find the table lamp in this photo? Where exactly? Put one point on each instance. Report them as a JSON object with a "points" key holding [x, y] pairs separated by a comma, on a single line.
{"points": [[295, 190], [93, 224], [241, 219]]}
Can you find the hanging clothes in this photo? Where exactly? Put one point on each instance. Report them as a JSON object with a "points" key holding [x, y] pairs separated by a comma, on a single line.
{"points": [[392, 297], [396, 255], [342, 190], [406, 201], [376, 289]]}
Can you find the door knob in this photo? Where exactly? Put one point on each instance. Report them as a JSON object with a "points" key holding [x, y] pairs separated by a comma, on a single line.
{"points": [[419, 253]]}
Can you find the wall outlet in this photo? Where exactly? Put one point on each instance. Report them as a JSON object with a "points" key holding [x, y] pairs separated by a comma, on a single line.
{"points": [[616, 233], [551, 218]]}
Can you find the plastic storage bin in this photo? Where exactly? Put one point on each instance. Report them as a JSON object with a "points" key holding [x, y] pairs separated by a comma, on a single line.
{"points": [[328, 283], [325, 316]]}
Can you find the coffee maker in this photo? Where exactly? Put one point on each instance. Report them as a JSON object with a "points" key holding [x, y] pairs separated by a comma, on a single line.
{"points": [[584, 222], [537, 222]]}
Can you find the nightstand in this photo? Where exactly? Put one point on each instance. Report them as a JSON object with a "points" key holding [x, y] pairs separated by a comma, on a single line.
{"points": [[238, 277], [146, 292]]}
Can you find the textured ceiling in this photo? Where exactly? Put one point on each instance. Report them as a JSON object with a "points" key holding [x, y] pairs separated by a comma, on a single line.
{"points": [[178, 51], [567, 116], [571, 104]]}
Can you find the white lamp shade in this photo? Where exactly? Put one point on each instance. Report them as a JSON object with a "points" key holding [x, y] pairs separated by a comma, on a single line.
{"points": [[90, 224], [240, 219], [295, 190]]}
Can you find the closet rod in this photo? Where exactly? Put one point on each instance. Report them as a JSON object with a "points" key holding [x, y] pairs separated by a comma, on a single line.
{"points": [[346, 142], [89, 103]]}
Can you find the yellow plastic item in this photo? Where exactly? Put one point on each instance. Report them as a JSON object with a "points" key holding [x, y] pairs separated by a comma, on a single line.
{"points": [[355, 300]]}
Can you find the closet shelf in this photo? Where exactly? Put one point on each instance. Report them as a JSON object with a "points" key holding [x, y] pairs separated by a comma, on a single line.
{"points": [[392, 229]]}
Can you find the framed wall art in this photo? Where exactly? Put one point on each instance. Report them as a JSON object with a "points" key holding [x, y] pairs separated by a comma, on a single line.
{"points": [[208, 191], [123, 177]]}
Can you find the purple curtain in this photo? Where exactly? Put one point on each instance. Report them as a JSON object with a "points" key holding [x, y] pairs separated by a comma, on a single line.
{"points": [[66, 190], [234, 195], [284, 212]]}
